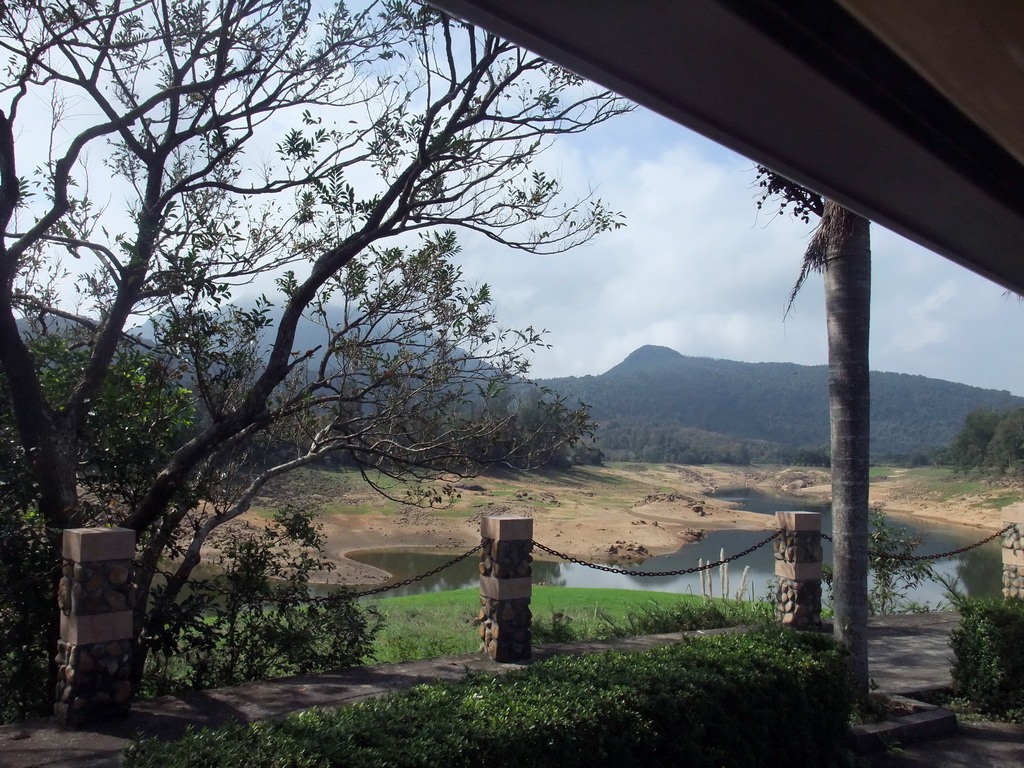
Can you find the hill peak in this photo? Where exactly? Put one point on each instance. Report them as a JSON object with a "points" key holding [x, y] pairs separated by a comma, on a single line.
{"points": [[644, 401], [649, 356]]}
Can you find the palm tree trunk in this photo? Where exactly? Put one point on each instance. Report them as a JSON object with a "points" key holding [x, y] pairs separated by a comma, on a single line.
{"points": [[845, 239]]}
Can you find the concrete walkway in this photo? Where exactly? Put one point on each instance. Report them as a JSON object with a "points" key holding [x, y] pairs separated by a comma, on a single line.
{"points": [[907, 654], [910, 652]]}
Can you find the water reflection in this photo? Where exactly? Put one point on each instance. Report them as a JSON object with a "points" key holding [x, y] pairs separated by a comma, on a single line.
{"points": [[979, 570]]}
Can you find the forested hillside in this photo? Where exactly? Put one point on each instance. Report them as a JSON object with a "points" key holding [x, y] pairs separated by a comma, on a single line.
{"points": [[645, 401]]}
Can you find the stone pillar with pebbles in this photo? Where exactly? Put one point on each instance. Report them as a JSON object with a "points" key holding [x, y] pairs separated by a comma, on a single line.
{"points": [[96, 598], [505, 587], [1013, 552], [798, 569]]}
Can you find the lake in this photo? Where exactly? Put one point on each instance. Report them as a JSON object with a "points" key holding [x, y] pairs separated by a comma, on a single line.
{"points": [[980, 570]]}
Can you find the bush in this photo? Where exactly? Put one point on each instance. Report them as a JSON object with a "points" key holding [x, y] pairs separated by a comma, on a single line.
{"points": [[892, 568], [255, 621], [988, 668], [758, 699], [27, 607]]}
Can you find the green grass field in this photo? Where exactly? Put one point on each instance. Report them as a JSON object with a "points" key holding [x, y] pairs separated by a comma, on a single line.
{"points": [[443, 623]]}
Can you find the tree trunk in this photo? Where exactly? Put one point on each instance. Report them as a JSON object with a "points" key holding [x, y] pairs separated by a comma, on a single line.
{"points": [[847, 247]]}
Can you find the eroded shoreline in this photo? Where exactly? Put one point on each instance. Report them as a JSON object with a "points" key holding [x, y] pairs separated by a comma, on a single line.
{"points": [[622, 512]]}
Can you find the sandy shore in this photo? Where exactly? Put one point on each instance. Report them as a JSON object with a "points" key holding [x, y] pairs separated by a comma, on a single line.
{"points": [[624, 514], [610, 515]]}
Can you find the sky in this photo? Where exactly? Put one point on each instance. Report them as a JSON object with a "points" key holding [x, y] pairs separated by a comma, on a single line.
{"points": [[698, 269]]}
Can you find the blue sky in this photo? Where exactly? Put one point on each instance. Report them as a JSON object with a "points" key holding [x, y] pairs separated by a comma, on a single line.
{"points": [[698, 269]]}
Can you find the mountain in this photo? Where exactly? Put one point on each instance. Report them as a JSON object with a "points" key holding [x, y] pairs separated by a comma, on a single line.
{"points": [[781, 403]]}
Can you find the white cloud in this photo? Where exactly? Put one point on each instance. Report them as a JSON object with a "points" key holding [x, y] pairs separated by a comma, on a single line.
{"points": [[927, 320], [699, 270]]}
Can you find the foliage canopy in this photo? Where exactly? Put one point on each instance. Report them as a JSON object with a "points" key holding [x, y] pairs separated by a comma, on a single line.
{"points": [[159, 157]]}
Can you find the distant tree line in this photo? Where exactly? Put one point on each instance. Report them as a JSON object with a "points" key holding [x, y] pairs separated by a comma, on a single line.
{"points": [[990, 441], [671, 443]]}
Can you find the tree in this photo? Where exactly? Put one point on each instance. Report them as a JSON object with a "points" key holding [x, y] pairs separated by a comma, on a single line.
{"points": [[1006, 450], [244, 140], [841, 250], [989, 440], [970, 448]]}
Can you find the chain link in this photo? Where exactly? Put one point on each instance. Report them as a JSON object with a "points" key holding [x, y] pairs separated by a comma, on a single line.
{"points": [[680, 572], [938, 556], [414, 579], [207, 585]]}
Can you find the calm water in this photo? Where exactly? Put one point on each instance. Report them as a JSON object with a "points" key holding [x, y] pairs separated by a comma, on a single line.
{"points": [[979, 570]]}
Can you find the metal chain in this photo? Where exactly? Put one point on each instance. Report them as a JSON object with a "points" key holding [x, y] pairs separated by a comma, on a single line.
{"points": [[680, 572], [422, 576], [207, 586], [938, 556]]}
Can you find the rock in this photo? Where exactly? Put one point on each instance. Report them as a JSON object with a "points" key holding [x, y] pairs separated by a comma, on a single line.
{"points": [[122, 692], [95, 583], [118, 575]]}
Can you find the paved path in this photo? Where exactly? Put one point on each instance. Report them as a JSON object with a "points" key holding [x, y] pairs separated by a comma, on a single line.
{"points": [[911, 653], [975, 745], [908, 653]]}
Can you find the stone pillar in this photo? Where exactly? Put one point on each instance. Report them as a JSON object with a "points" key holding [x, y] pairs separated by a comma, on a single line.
{"points": [[505, 587], [1013, 552], [798, 569], [96, 598]]}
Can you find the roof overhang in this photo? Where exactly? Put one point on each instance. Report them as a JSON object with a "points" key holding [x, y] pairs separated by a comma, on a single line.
{"points": [[910, 113]]}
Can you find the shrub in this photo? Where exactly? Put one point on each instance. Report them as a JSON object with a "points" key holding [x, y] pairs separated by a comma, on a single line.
{"points": [[988, 668], [255, 621], [759, 699], [27, 607], [892, 568]]}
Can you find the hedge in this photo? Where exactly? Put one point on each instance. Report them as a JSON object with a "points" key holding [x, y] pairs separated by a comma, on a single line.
{"points": [[758, 699], [988, 668]]}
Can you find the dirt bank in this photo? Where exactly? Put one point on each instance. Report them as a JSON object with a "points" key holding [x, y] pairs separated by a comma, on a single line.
{"points": [[622, 513]]}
